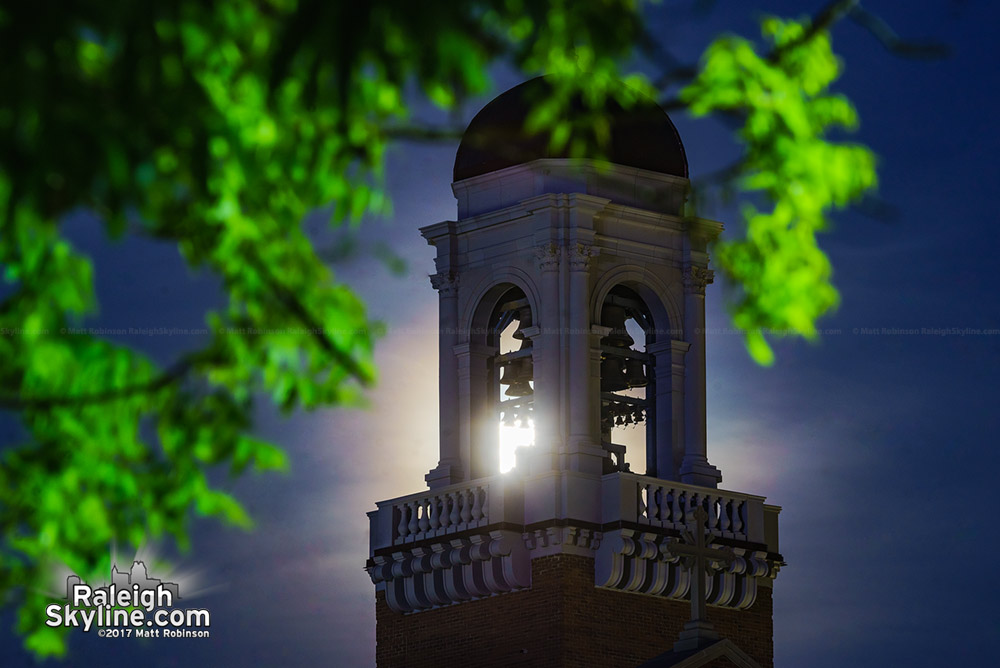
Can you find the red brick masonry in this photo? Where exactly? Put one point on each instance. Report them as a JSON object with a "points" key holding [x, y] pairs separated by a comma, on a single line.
{"points": [[563, 620]]}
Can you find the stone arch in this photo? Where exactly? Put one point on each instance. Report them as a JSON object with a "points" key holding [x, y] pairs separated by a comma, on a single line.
{"points": [[667, 317], [483, 299], [482, 416], [667, 326]]}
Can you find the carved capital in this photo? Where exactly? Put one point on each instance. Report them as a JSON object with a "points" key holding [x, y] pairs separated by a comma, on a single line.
{"points": [[547, 256], [579, 257], [696, 279], [445, 282]]}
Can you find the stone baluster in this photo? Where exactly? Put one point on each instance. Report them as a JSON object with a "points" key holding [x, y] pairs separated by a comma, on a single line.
{"points": [[477, 506], [435, 513], [423, 510], [677, 512], [691, 501], [725, 522], [466, 506], [414, 524], [659, 503], [456, 506], [404, 521], [445, 519]]}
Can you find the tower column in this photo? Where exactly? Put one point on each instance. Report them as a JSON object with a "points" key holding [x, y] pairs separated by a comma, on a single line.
{"points": [[584, 450], [678, 350], [545, 345], [695, 468], [450, 467], [478, 446], [668, 410]]}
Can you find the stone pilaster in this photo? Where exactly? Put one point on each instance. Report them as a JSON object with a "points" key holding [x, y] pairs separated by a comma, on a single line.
{"points": [[695, 468], [547, 363], [450, 468], [477, 434], [583, 389], [668, 409]]}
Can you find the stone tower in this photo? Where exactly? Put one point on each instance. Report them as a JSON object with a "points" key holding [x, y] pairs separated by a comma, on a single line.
{"points": [[572, 350]]}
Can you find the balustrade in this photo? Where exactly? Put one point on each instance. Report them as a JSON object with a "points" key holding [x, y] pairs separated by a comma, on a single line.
{"points": [[673, 505], [440, 512], [670, 505]]}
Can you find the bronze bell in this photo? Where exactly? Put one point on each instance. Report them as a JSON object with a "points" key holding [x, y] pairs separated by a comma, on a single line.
{"points": [[612, 376], [614, 317], [635, 373], [517, 374], [524, 316]]}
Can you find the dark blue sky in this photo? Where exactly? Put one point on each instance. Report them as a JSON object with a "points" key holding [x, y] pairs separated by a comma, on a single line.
{"points": [[880, 448]]}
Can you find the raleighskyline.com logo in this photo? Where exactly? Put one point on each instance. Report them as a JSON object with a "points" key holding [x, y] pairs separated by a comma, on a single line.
{"points": [[133, 604]]}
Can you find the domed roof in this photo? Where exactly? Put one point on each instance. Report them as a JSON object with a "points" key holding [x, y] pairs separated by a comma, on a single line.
{"points": [[642, 137]]}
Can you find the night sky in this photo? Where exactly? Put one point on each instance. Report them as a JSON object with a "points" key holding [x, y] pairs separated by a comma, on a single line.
{"points": [[880, 448]]}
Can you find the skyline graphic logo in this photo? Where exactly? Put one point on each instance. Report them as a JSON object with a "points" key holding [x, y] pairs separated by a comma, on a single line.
{"points": [[132, 604]]}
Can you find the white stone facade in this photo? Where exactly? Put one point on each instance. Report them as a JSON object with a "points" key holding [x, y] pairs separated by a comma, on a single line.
{"points": [[565, 234]]}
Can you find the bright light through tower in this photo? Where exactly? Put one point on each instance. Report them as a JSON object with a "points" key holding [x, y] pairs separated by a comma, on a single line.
{"points": [[513, 434], [512, 438]]}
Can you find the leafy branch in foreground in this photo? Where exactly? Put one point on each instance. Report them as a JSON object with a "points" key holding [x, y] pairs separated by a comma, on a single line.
{"points": [[215, 127], [783, 275]]}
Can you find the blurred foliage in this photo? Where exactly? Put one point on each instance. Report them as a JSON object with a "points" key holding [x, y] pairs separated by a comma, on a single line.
{"points": [[783, 275], [217, 126]]}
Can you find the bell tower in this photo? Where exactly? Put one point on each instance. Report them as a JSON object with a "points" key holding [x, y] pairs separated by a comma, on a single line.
{"points": [[573, 518]]}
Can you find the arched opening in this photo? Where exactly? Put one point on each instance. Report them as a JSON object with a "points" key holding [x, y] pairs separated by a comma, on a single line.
{"points": [[627, 382], [511, 376]]}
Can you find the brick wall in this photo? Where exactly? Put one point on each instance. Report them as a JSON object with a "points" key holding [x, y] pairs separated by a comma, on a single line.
{"points": [[563, 620]]}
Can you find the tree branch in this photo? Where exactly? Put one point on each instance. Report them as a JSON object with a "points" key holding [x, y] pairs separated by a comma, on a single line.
{"points": [[290, 301], [423, 133], [826, 17], [173, 374], [891, 41], [830, 14]]}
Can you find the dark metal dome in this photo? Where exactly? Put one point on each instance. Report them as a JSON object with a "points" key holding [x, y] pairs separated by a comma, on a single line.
{"points": [[642, 137]]}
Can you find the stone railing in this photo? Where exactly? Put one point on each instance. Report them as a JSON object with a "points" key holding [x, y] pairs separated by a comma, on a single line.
{"points": [[666, 504], [477, 538], [637, 555], [434, 514], [444, 511], [450, 544]]}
